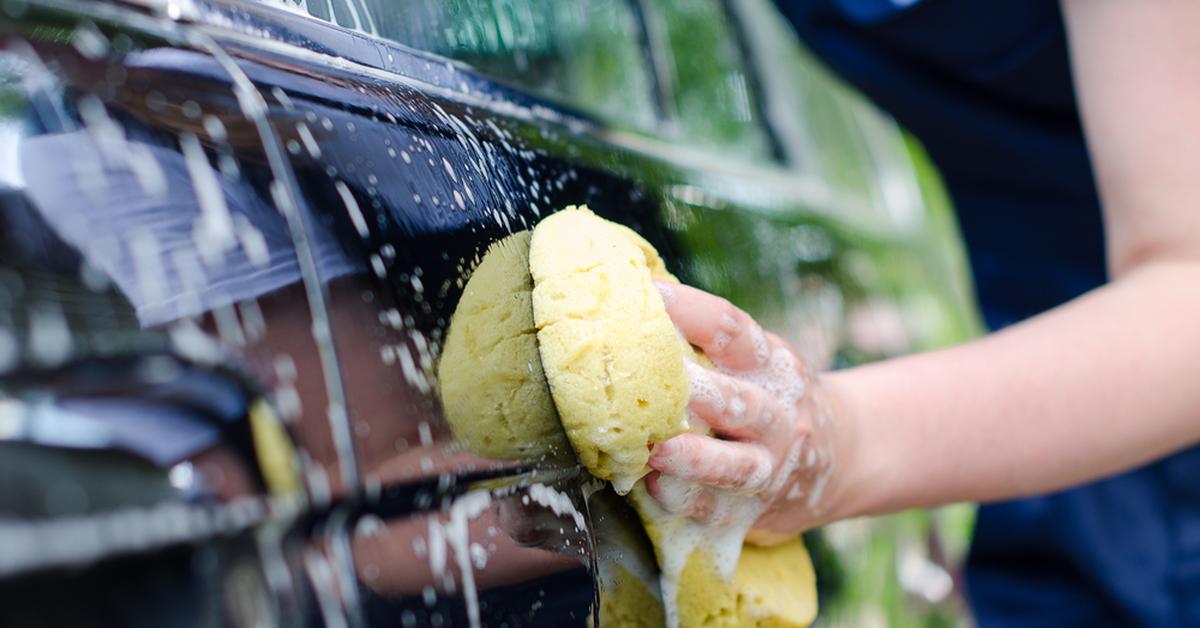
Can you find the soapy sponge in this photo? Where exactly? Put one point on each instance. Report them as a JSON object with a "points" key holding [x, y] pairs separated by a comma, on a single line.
{"points": [[614, 358], [574, 306], [615, 364], [771, 587]]}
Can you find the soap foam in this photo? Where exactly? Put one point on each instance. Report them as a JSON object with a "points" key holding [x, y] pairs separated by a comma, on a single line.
{"points": [[703, 388], [558, 502], [679, 536]]}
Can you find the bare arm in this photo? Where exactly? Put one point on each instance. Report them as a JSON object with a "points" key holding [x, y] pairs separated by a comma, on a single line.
{"points": [[1092, 388], [1104, 383]]}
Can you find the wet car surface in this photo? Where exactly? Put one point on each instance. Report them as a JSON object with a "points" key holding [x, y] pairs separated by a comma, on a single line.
{"points": [[234, 235]]}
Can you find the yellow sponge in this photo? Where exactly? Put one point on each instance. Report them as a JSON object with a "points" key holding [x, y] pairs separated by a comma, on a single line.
{"points": [[574, 305], [490, 378], [615, 364], [776, 586], [628, 572], [613, 356]]}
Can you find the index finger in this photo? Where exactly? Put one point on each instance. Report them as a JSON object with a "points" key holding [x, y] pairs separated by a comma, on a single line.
{"points": [[726, 334], [730, 465]]}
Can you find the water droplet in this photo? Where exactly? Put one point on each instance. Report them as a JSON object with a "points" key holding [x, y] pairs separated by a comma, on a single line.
{"points": [[191, 109], [310, 142]]}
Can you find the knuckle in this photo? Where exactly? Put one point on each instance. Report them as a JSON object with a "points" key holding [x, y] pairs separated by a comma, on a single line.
{"points": [[731, 315], [754, 472], [767, 422], [731, 321]]}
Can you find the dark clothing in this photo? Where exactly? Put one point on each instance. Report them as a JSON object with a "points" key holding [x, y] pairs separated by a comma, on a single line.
{"points": [[986, 86]]}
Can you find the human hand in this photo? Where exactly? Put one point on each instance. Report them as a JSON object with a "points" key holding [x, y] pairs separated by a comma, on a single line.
{"points": [[770, 416]]}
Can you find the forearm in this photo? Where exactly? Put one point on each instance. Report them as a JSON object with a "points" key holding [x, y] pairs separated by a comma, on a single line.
{"points": [[1095, 387]]}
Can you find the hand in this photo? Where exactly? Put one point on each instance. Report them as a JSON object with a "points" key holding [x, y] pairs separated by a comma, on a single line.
{"points": [[769, 415]]}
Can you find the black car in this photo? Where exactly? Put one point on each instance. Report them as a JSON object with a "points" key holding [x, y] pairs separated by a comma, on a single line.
{"points": [[233, 234]]}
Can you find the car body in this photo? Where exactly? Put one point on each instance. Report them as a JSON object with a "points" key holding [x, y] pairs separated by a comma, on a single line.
{"points": [[235, 234]]}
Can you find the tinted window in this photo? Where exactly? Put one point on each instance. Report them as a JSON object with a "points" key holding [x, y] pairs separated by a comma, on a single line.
{"points": [[702, 69], [585, 54]]}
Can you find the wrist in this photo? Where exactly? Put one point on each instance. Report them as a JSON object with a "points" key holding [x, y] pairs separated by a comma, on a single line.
{"points": [[853, 483], [860, 476]]}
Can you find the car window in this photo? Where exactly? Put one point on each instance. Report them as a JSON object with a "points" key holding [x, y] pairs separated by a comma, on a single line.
{"points": [[827, 131], [587, 55], [704, 73]]}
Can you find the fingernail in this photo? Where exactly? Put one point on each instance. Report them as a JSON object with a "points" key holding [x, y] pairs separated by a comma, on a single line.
{"points": [[652, 482], [659, 456], [667, 290], [762, 350]]}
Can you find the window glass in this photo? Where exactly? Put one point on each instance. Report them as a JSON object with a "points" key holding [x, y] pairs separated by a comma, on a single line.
{"points": [[827, 131], [711, 91], [585, 54]]}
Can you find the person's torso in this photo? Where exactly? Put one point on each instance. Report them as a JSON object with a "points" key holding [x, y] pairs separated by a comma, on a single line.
{"points": [[986, 86]]}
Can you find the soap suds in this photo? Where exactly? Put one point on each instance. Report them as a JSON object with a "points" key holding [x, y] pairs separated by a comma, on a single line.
{"points": [[622, 484], [620, 393], [558, 502], [678, 536], [703, 388], [465, 509], [762, 350]]}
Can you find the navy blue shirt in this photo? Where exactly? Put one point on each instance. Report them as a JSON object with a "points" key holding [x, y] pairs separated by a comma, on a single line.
{"points": [[986, 86]]}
